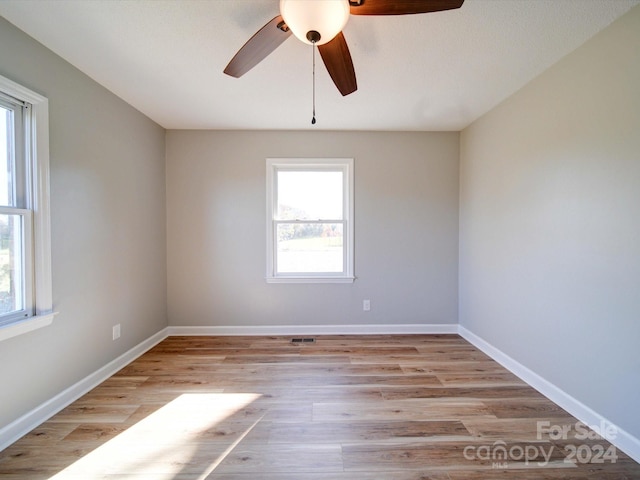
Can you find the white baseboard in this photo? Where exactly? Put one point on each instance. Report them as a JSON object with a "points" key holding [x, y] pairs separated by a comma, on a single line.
{"points": [[23, 425], [621, 439], [275, 330]]}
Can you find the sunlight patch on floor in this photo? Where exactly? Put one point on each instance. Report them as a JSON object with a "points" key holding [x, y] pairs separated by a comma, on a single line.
{"points": [[166, 442]]}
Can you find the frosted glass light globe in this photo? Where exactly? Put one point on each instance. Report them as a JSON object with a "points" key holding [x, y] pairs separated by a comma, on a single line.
{"points": [[327, 17]]}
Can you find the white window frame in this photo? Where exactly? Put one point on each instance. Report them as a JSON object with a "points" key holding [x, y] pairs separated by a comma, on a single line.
{"points": [[310, 164], [36, 151]]}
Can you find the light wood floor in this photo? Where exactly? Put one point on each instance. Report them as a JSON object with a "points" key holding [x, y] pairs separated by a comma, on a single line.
{"points": [[347, 407]]}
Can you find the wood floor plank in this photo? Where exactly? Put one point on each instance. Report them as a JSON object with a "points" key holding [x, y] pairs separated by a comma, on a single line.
{"points": [[95, 432], [186, 364], [457, 367], [79, 413], [380, 431], [48, 433], [394, 475], [494, 379], [443, 455], [114, 396], [559, 473], [524, 408], [148, 458], [418, 410], [421, 358], [302, 380], [123, 382], [27, 459], [521, 429], [279, 395], [286, 371], [261, 459], [478, 393], [294, 359], [372, 407]]}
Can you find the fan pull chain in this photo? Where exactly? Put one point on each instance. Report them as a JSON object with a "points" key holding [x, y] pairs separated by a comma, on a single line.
{"points": [[313, 48]]}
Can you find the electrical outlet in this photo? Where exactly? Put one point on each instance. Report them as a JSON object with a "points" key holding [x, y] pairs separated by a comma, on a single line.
{"points": [[366, 305], [116, 331]]}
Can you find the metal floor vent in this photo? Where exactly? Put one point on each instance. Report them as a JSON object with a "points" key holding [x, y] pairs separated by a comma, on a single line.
{"points": [[303, 340]]}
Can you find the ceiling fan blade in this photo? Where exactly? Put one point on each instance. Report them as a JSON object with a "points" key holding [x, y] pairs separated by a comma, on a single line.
{"points": [[401, 7], [265, 41], [336, 57]]}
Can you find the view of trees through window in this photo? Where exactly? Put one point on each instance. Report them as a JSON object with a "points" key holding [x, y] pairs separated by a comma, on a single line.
{"points": [[10, 225], [309, 224], [10, 253]]}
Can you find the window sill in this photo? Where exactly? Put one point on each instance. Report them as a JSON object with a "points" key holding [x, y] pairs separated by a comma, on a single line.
{"points": [[310, 279], [25, 326]]}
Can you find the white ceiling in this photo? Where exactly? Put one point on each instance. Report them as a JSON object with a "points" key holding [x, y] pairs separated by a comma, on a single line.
{"points": [[428, 72]]}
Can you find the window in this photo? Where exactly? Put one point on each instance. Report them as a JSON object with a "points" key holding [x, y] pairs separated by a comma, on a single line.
{"points": [[310, 220], [25, 259]]}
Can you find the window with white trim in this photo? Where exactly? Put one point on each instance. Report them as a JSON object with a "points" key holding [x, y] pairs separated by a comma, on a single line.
{"points": [[25, 239], [310, 220]]}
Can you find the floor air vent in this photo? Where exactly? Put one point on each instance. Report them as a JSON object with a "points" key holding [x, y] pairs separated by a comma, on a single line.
{"points": [[303, 340]]}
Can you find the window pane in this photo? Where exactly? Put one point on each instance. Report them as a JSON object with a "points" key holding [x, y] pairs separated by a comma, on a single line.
{"points": [[310, 248], [310, 195], [11, 264], [6, 156]]}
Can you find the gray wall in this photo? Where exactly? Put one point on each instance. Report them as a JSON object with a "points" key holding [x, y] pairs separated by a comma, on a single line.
{"points": [[406, 229], [550, 224], [108, 229]]}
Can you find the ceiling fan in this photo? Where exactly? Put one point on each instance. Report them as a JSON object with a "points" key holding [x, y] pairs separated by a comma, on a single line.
{"points": [[320, 23]]}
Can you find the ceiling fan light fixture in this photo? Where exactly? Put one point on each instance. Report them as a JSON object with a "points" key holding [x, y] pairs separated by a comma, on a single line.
{"points": [[327, 17]]}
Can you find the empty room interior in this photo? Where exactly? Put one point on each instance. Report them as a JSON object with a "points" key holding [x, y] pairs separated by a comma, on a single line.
{"points": [[224, 255]]}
